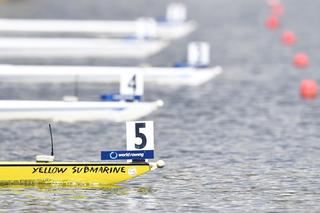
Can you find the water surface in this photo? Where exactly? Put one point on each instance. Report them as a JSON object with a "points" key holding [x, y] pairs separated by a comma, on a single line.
{"points": [[244, 142]]}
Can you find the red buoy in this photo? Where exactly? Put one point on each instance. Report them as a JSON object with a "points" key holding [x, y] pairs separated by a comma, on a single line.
{"points": [[277, 9], [301, 60], [288, 38], [272, 22], [308, 89], [272, 2]]}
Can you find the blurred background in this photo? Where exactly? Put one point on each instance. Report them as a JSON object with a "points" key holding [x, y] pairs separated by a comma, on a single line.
{"points": [[244, 141]]}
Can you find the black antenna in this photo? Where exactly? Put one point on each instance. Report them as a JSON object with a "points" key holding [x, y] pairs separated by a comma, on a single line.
{"points": [[76, 86], [51, 139]]}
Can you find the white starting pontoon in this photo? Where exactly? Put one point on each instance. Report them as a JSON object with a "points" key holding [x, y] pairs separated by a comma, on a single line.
{"points": [[174, 26], [63, 74], [72, 111], [124, 107], [78, 47], [193, 75]]}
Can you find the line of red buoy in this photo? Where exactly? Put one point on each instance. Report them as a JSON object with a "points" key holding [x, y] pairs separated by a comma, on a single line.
{"points": [[308, 87], [277, 9], [273, 22], [288, 38]]}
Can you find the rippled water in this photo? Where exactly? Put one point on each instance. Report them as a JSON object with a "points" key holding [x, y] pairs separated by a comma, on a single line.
{"points": [[244, 142]]}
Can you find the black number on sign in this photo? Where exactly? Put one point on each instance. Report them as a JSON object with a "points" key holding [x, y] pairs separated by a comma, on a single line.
{"points": [[132, 83], [199, 54], [141, 136]]}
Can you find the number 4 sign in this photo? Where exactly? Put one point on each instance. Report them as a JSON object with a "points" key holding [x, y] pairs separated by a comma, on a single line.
{"points": [[131, 84], [140, 135]]}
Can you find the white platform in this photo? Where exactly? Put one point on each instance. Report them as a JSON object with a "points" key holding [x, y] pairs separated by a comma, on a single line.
{"points": [[78, 47], [64, 111], [164, 30], [159, 75]]}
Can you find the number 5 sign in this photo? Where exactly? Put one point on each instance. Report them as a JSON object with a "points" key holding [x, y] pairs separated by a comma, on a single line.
{"points": [[140, 135]]}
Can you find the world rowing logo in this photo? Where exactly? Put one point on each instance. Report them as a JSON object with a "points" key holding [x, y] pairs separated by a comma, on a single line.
{"points": [[113, 155]]}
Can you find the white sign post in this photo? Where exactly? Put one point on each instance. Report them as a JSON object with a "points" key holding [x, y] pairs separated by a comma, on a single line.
{"points": [[176, 13], [146, 28], [131, 84], [140, 135], [198, 54], [140, 144]]}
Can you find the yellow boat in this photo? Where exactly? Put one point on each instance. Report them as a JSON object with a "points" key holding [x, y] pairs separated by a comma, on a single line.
{"points": [[104, 173], [46, 171]]}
